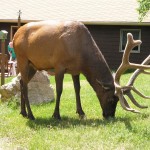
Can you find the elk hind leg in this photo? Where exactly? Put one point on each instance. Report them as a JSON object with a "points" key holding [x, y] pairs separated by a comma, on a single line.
{"points": [[23, 107], [25, 78], [31, 73]]}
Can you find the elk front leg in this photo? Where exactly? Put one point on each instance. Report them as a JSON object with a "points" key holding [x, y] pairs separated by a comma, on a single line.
{"points": [[59, 87], [79, 109]]}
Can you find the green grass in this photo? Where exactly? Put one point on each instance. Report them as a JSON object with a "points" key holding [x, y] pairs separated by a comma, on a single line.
{"points": [[128, 131]]}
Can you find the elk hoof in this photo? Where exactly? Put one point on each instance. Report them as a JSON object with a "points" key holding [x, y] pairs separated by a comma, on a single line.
{"points": [[82, 117], [56, 116], [24, 114], [81, 114], [31, 117]]}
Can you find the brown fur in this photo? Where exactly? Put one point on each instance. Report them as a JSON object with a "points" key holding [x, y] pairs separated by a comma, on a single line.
{"points": [[66, 47]]}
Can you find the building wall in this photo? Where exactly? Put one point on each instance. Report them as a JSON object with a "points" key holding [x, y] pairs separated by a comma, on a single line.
{"points": [[108, 40]]}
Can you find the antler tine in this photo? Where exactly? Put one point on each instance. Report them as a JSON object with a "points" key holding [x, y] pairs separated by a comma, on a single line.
{"points": [[125, 104], [138, 71], [128, 93], [125, 59], [142, 66], [134, 101], [139, 93], [119, 91], [131, 43], [131, 82]]}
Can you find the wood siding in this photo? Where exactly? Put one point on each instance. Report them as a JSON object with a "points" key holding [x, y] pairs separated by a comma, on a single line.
{"points": [[107, 38]]}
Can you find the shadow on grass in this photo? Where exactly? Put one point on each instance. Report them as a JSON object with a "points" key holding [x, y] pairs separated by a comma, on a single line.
{"points": [[67, 122]]}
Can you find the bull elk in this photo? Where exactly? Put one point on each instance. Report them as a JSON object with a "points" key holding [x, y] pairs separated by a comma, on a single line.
{"points": [[68, 47]]}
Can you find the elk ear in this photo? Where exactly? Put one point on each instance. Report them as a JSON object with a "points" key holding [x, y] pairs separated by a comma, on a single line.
{"points": [[106, 86]]}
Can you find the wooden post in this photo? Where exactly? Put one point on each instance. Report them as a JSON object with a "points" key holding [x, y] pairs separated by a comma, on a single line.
{"points": [[3, 37], [19, 18], [3, 62]]}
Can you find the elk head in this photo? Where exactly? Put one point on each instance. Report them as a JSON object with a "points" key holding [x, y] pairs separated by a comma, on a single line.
{"points": [[120, 91]]}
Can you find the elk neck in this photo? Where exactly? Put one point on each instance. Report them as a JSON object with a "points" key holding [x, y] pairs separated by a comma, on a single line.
{"points": [[96, 68]]}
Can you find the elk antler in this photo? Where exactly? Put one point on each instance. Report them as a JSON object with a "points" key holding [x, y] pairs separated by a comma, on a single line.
{"points": [[140, 68]]}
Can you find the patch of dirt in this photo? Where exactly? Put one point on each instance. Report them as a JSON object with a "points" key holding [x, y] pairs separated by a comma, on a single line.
{"points": [[5, 143]]}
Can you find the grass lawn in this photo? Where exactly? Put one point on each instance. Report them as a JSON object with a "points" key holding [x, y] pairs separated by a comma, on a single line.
{"points": [[128, 131]]}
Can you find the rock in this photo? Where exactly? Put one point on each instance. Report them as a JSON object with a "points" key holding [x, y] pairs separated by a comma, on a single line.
{"points": [[39, 89]]}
